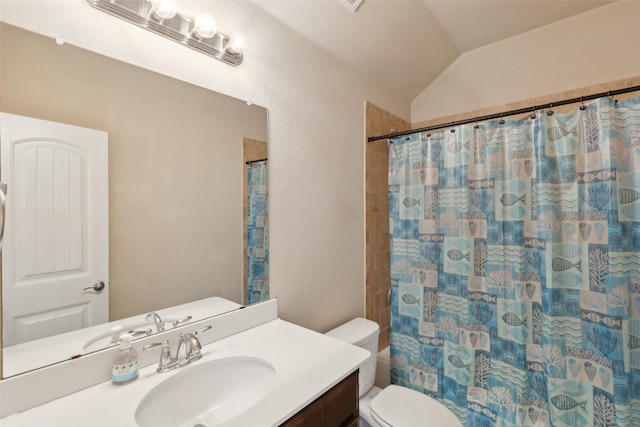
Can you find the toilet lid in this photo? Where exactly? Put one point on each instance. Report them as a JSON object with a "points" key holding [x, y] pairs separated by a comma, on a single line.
{"points": [[402, 407]]}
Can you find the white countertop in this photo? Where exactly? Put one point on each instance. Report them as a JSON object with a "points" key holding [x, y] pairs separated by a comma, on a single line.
{"points": [[306, 364]]}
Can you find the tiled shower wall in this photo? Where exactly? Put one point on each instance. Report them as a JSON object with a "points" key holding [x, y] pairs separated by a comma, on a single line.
{"points": [[378, 122]]}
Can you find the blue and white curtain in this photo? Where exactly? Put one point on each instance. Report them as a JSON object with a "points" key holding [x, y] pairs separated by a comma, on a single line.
{"points": [[258, 233], [515, 267]]}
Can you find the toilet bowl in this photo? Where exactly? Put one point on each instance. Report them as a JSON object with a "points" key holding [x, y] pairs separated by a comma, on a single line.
{"points": [[366, 420], [393, 406]]}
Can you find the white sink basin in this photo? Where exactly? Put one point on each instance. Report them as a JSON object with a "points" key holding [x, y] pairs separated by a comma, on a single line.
{"points": [[206, 394]]}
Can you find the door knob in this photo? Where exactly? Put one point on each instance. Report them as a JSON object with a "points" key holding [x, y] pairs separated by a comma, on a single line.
{"points": [[98, 286]]}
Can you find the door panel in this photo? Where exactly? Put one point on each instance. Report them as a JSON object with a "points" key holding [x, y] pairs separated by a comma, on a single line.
{"points": [[52, 322], [56, 239]]}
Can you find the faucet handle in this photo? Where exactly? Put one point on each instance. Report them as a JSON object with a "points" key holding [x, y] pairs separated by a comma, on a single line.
{"points": [[176, 323], [167, 363], [199, 331], [154, 345]]}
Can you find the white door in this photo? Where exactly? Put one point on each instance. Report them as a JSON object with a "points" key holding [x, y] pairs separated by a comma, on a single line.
{"points": [[56, 240]]}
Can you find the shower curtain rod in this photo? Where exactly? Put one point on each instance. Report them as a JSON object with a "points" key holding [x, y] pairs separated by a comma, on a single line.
{"points": [[256, 161], [505, 114]]}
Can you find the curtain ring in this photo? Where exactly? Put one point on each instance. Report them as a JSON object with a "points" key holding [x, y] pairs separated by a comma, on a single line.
{"points": [[452, 128], [582, 107], [550, 112], [533, 114], [476, 125], [501, 120]]}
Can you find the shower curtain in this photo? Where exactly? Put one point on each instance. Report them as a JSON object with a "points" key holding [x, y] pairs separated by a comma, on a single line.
{"points": [[258, 233], [515, 267]]}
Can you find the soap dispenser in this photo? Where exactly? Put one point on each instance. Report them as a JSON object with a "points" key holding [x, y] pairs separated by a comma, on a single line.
{"points": [[116, 331], [125, 364]]}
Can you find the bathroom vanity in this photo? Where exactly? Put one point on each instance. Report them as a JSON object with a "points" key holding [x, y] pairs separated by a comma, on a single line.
{"points": [[337, 407], [266, 372]]}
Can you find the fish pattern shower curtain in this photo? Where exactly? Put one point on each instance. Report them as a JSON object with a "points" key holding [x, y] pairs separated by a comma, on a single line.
{"points": [[515, 267], [258, 233]]}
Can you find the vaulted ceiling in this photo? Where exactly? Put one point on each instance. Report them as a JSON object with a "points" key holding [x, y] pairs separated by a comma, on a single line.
{"points": [[403, 45]]}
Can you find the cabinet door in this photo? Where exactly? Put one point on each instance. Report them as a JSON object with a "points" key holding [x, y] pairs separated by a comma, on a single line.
{"points": [[311, 416], [338, 407], [341, 402]]}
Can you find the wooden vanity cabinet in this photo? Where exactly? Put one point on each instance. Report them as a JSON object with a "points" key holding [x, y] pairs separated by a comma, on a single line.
{"points": [[338, 407]]}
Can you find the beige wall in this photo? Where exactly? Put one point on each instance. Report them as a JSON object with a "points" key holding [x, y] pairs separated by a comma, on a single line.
{"points": [[595, 47], [175, 166], [542, 100]]}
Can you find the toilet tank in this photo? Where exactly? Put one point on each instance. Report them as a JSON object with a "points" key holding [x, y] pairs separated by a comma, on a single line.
{"points": [[363, 333]]}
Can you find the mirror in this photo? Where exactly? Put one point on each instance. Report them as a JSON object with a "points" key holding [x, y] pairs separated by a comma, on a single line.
{"points": [[176, 168]]}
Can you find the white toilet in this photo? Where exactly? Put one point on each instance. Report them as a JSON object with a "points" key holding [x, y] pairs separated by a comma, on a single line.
{"points": [[393, 406]]}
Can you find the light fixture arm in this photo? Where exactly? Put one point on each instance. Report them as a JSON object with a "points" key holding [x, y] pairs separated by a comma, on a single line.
{"points": [[179, 28]]}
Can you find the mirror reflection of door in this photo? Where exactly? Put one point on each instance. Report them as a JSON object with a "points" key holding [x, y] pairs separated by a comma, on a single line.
{"points": [[55, 257]]}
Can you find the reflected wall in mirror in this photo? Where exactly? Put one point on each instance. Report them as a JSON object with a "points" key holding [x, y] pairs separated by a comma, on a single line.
{"points": [[176, 167]]}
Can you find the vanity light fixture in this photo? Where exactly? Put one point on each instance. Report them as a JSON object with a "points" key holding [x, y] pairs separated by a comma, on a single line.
{"points": [[163, 9], [162, 17], [236, 44], [204, 27]]}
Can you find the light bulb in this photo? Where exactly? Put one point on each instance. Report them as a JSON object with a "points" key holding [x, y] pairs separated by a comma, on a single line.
{"points": [[163, 9], [204, 26], [236, 43]]}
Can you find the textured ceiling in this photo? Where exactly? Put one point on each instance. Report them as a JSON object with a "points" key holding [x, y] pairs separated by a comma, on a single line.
{"points": [[403, 45]]}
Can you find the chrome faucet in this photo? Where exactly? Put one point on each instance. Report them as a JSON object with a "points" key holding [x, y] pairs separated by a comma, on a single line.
{"points": [[189, 347], [188, 351], [158, 321], [167, 363]]}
